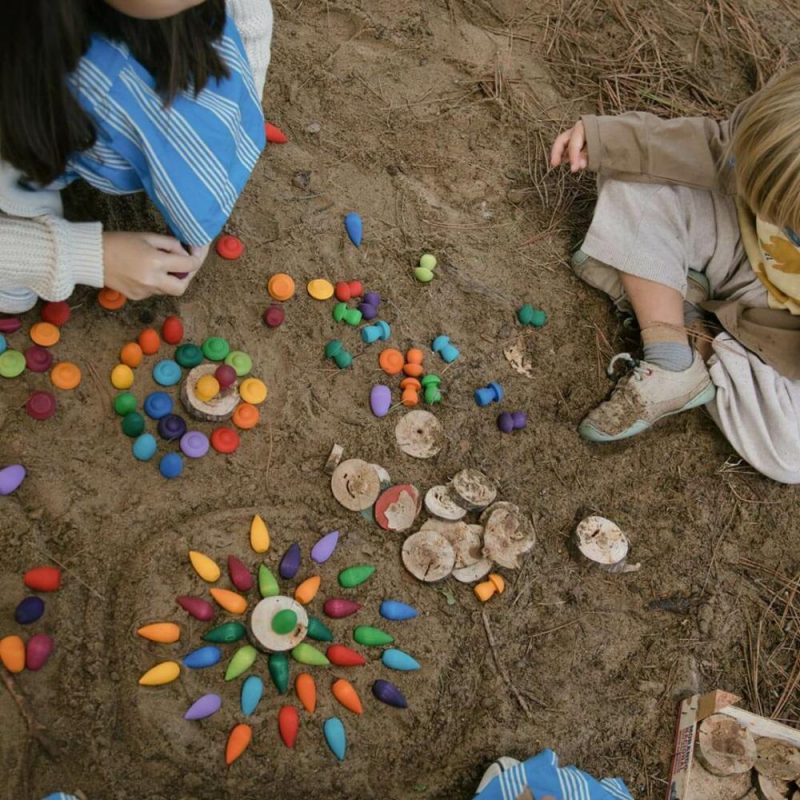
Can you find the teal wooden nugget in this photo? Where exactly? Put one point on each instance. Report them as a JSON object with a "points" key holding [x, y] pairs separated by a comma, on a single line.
{"points": [[371, 637], [226, 633], [279, 671], [356, 575], [319, 631]]}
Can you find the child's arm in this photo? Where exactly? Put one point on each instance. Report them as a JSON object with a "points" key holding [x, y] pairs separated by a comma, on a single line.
{"points": [[642, 147], [253, 19]]}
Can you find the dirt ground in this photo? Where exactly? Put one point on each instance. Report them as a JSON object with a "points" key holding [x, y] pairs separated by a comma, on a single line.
{"points": [[429, 119]]}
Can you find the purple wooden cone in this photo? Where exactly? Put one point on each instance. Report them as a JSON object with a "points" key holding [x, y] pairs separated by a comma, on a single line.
{"points": [[197, 607], [290, 563], [324, 548], [38, 651], [388, 693], [241, 577], [10, 324], [338, 607], [204, 707]]}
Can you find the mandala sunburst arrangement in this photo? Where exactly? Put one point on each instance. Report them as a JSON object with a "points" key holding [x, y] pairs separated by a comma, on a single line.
{"points": [[218, 387], [276, 625]]}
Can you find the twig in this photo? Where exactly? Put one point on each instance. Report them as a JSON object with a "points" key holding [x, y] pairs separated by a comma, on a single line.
{"points": [[523, 703]]}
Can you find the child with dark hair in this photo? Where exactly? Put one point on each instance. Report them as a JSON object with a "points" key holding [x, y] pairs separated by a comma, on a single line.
{"points": [[160, 96]]}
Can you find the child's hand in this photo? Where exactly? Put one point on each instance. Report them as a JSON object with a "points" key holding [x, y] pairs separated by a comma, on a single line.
{"points": [[140, 264], [573, 143]]}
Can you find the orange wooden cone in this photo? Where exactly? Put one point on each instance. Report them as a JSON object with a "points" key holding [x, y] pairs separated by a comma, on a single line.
{"points": [[274, 134], [306, 591], [344, 692], [163, 632], [306, 691], [238, 741], [230, 601]]}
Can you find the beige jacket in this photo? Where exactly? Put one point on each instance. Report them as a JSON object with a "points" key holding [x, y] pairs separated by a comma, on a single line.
{"points": [[690, 151]]}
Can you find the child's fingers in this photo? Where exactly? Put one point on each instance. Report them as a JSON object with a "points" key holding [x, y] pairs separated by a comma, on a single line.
{"points": [[575, 149], [169, 244], [180, 264], [171, 285], [557, 150]]}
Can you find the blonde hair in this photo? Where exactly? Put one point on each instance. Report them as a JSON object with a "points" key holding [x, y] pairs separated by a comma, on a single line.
{"points": [[766, 151]]}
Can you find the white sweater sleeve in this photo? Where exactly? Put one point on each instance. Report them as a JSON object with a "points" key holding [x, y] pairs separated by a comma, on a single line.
{"points": [[253, 18], [41, 254], [46, 256]]}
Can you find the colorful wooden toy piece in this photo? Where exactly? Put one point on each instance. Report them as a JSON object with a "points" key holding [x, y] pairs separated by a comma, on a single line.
{"points": [[335, 737], [354, 228], [203, 707], [307, 590], [165, 672], [162, 632], [204, 566], [231, 601], [347, 696], [324, 547], [355, 575], [197, 607], [252, 691], [306, 691], [288, 725], [395, 610], [12, 653], [238, 741], [267, 585], [43, 579], [259, 535], [240, 576], [242, 660], [342, 656]]}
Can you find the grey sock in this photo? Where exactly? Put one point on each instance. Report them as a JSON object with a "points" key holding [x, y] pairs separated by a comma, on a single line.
{"points": [[672, 356]]}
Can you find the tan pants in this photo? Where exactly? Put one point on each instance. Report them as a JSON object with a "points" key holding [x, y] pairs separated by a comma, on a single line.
{"points": [[660, 232]]}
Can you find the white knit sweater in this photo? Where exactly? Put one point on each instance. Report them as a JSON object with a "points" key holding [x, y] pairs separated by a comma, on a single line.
{"points": [[43, 255]]}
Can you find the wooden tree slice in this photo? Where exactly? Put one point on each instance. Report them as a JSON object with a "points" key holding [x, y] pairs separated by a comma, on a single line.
{"points": [[261, 632], [724, 747], [507, 534], [772, 788], [466, 540], [419, 434], [777, 759], [603, 543], [474, 572], [219, 408], [705, 786], [355, 484], [428, 556], [472, 490], [440, 503], [337, 451], [398, 507]]}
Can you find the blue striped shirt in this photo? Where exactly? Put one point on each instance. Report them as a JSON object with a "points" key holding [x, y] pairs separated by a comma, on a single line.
{"points": [[193, 157]]}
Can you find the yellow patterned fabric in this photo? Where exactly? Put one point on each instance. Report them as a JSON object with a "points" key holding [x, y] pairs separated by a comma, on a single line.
{"points": [[775, 259]]}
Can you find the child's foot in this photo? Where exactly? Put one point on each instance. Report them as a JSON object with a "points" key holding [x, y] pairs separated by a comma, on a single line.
{"points": [[645, 395]]}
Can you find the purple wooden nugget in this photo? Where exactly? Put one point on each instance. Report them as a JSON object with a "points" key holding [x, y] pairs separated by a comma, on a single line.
{"points": [[29, 610], [380, 400], [290, 563], [520, 419], [324, 548], [505, 422], [10, 325], [37, 359], [204, 707], [388, 693], [241, 577], [372, 298], [368, 311]]}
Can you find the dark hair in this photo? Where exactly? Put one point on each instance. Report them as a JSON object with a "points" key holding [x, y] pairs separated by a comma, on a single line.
{"points": [[42, 41]]}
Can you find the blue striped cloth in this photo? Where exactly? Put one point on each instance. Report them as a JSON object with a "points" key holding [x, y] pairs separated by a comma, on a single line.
{"points": [[542, 775], [193, 157], [60, 796]]}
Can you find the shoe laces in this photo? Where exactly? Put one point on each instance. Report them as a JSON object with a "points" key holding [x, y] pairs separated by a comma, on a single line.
{"points": [[635, 368]]}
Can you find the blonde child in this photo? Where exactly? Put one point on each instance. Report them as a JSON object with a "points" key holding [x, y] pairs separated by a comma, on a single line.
{"points": [[691, 213]]}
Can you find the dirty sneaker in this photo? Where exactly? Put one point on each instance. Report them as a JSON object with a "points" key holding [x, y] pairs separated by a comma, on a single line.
{"points": [[645, 395]]}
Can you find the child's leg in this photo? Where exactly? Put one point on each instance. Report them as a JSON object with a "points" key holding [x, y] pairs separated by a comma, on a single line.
{"points": [[660, 314]]}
